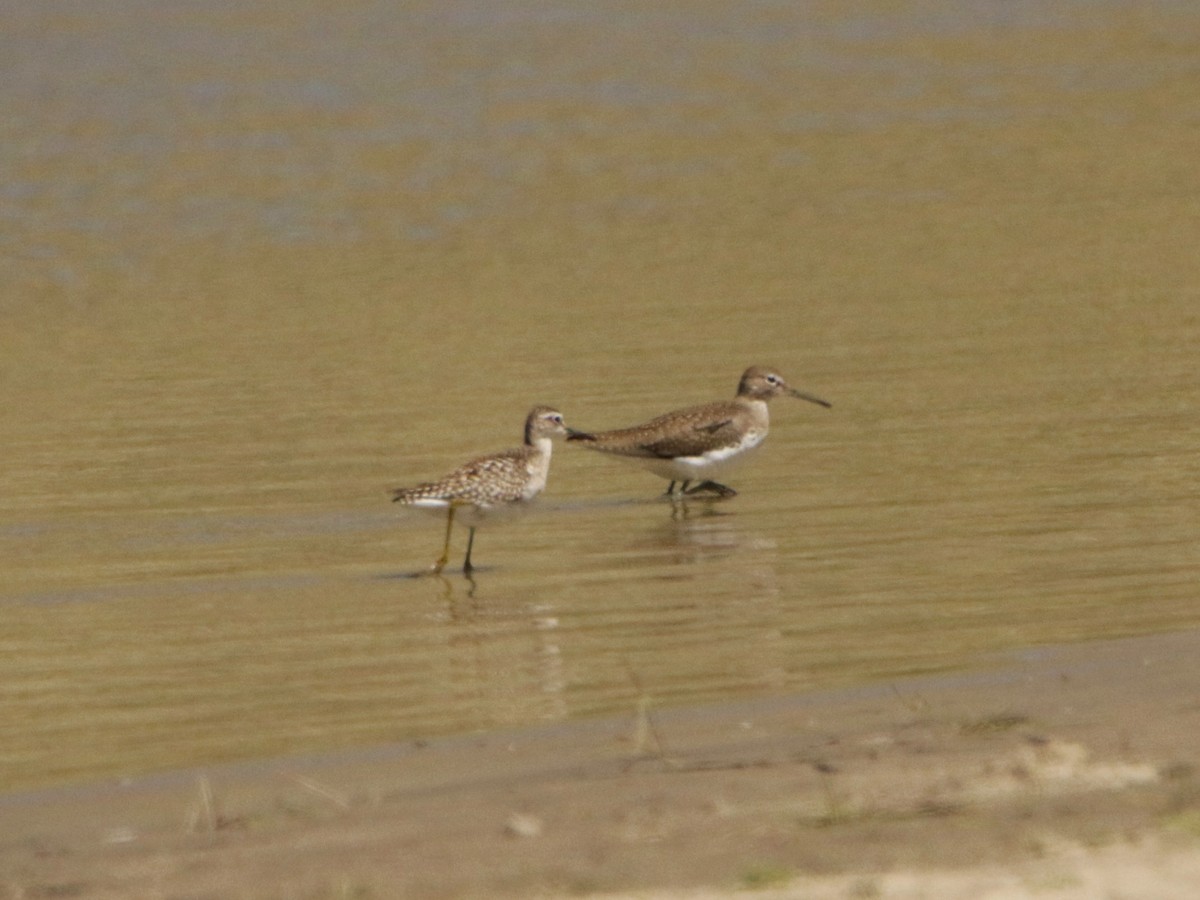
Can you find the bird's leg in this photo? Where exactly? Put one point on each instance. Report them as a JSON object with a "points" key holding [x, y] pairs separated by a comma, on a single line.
{"points": [[670, 491], [719, 489], [440, 562], [467, 567]]}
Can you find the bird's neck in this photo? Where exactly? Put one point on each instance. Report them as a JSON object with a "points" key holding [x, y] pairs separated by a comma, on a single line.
{"points": [[755, 406], [541, 445]]}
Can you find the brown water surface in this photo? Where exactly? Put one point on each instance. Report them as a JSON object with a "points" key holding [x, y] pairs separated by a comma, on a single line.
{"points": [[258, 266]]}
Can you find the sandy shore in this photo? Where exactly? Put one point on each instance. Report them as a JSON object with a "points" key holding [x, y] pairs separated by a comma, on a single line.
{"points": [[1064, 772]]}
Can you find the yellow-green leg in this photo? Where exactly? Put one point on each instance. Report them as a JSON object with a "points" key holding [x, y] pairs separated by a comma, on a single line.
{"points": [[440, 562]]}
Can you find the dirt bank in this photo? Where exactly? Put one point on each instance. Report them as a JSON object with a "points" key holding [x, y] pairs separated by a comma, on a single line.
{"points": [[1067, 772]]}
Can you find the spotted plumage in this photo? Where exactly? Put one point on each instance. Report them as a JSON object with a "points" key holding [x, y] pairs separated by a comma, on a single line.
{"points": [[490, 482], [484, 482], [699, 442]]}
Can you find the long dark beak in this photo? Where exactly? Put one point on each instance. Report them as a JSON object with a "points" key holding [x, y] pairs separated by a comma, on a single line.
{"points": [[810, 398]]}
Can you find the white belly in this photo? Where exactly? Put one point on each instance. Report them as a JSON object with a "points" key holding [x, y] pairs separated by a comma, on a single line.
{"points": [[708, 466]]}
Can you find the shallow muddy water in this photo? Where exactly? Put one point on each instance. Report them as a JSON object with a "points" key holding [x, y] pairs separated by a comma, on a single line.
{"points": [[258, 267]]}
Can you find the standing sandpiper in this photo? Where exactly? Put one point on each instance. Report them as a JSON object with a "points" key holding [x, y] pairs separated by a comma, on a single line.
{"points": [[701, 441], [488, 482]]}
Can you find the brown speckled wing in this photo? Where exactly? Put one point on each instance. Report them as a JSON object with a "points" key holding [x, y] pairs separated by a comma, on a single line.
{"points": [[486, 480], [685, 432]]}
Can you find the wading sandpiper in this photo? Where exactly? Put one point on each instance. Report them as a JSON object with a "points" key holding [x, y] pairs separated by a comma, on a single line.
{"points": [[699, 442], [492, 482]]}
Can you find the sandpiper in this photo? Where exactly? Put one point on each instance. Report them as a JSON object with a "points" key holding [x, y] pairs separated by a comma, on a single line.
{"points": [[490, 482], [699, 442]]}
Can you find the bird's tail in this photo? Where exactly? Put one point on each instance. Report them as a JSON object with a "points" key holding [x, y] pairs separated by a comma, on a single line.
{"points": [[408, 495]]}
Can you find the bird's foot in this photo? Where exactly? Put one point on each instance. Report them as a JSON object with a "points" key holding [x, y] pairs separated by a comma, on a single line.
{"points": [[672, 492], [712, 487]]}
